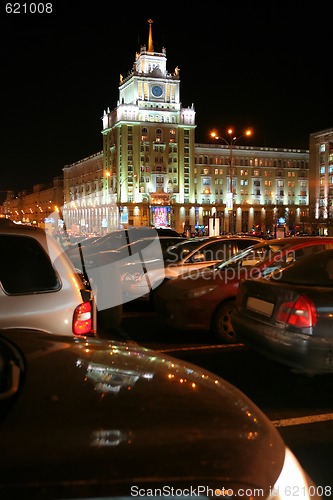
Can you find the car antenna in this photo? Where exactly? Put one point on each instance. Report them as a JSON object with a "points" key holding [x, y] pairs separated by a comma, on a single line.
{"points": [[85, 274]]}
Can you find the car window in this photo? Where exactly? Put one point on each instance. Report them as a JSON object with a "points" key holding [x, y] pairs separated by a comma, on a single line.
{"points": [[216, 250], [180, 251], [304, 252], [243, 244], [251, 256], [313, 269], [25, 267], [289, 257], [167, 243]]}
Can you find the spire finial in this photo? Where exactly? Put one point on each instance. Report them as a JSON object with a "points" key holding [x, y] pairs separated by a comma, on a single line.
{"points": [[150, 37]]}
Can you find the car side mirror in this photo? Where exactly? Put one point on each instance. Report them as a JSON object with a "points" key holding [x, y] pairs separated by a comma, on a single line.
{"points": [[198, 257]]}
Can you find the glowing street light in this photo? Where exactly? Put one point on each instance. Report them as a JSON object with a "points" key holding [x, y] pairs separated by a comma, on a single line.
{"points": [[113, 198], [231, 141]]}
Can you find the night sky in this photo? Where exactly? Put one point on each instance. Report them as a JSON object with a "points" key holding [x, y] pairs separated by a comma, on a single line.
{"points": [[260, 64]]}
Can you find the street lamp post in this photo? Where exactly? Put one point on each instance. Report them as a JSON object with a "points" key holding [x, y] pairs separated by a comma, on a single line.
{"points": [[118, 183], [116, 191], [231, 141]]}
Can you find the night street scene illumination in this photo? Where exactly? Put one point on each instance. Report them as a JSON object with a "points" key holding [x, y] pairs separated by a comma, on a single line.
{"points": [[248, 65]]}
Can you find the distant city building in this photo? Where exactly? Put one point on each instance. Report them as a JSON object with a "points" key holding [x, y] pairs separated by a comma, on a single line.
{"points": [[321, 180], [152, 172], [41, 206]]}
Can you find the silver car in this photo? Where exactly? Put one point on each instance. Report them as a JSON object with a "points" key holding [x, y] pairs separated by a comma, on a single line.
{"points": [[39, 287]]}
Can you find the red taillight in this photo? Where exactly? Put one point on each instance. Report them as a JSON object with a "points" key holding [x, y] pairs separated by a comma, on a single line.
{"points": [[82, 320], [301, 313]]}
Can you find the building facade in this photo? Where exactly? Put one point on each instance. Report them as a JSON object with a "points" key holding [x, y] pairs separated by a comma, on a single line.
{"points": [[321, 180], [41, 206], [151, 171]]}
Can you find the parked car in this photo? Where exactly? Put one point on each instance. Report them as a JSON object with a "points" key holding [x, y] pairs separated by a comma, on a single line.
{"points": [[139, 256], [118, 238], [142, 265], [99, 260], [142, 281], [154, 246], [204, 300], [39, 287], [87, 419], [288, 316]]}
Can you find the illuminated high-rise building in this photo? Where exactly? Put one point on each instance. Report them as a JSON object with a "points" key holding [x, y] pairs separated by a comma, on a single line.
{"points": [[151, 172]]}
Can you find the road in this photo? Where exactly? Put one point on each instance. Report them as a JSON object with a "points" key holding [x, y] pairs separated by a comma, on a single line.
{"points": [[300, 407]]}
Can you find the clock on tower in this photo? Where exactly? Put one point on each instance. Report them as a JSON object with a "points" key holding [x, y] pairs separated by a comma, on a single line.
{"points": [[157, 90]]}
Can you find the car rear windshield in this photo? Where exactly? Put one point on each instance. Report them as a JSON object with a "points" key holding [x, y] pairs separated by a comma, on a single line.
{"points": [[315, 269], [25, 267]]}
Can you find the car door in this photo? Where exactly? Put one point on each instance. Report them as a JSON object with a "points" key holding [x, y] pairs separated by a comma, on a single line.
{"points": [[217, 251]]}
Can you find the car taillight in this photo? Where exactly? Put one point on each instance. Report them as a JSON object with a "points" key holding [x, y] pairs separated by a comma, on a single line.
{"points": [[82, 319], [301, 313]]}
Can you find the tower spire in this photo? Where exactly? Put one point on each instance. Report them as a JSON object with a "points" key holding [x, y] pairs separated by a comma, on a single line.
{"points": [[150, 37]]}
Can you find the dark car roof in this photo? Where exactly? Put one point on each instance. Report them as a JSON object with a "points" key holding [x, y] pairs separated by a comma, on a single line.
{"points": [[284, 243], [188, 246], [157, 244], [119, 237], [166, 231], [115, 412], [10, 225]]}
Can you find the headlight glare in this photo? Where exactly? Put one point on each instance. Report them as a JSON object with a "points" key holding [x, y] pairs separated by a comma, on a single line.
{"points": [[195, 293], [133, 277], [292, 482]]}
